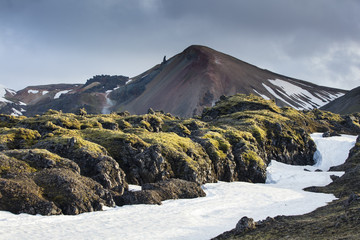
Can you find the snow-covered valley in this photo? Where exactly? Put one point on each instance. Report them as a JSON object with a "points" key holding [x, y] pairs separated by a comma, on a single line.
{"points": [[200, 218]]}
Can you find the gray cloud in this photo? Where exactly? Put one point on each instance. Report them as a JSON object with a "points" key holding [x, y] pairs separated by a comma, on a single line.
{"points": [[44, 41]]}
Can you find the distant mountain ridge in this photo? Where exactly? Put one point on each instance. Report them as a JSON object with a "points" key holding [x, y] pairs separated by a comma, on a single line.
{"points": [[183, 85], [6, 105], [347, 104]]}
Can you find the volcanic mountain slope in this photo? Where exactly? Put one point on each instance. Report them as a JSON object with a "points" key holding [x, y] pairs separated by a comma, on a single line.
{"points": [[197, 77], [6, 105], [32, 95], [347, 104], [71, 97]]}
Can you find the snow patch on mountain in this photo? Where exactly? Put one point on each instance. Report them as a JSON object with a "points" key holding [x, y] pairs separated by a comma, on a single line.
{"points": [[261, 95], [16, 112], [33, 91], [58, 94], [3, 91], [272, 92], [299, 95], [128, 81]]}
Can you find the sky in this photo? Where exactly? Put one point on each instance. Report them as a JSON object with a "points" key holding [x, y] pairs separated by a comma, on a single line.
{"points": [[67, 41]]}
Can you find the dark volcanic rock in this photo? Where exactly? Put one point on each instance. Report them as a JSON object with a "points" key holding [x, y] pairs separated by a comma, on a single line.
{"points": [[154, 193], [24, 196], [224, 167], [175, 188], [72, 192], [138, 197], [149, 165], [95, 164], [39, 182], [245, 224], [41, 159]]}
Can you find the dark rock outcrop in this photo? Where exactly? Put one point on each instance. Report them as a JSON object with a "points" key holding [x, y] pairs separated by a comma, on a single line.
{"points": [[95, 164], [39, 182], [72, 192], [175, 188], [245, 224], [154, 193], [23, 196]]}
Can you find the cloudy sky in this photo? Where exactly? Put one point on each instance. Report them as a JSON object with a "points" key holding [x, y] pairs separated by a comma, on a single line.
{"points": [[69, 41]]}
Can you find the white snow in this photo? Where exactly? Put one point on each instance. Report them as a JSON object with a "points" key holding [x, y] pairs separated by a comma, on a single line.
{"points": [[45, 92], [2, 94], [33, 91], [16, 112], [298, 94], [12, 92], [200, 218], [272, 92], [108, 104], [261, 95], [130, 80], [134, 188], [58, 94], [22, 104], [331, 156]]}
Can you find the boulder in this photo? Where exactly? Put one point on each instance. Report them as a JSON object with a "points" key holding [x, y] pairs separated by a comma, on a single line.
{"points": [[175, 188], [24, 196], [41, 159], [36, 181], [92, 160], [245, 224], [154, 193], [138, 197], [72, 192], [147, 165]]}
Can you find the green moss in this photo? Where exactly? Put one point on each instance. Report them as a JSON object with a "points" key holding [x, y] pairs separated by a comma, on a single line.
{"points": [[219, 142], [18, 137], [183, 129], [10, 121], [146, 125], [259, 134], [251, 157], [113, 141], [176, 148], [12, 166], [124, 124], [52, 112]]}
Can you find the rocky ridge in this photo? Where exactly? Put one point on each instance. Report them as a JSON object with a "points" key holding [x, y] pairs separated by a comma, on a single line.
{"points": [[64, 163]]}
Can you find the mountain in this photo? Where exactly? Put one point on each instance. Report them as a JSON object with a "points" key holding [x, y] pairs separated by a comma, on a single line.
{"points": [[183, 85], [7, 106], [36, 94], [197, 77], [71, 97], [347, 104]]}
